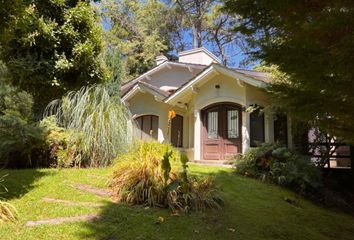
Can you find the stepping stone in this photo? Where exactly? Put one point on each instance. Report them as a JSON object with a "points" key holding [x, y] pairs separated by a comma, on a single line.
{"points": [[60, 220], [71, 203], [102, 192]]}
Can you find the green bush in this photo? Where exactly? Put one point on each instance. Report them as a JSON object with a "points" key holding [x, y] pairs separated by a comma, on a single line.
{"points": [[21, 141], [145, 176], [278, 164], [64, 146], [13, 99]]}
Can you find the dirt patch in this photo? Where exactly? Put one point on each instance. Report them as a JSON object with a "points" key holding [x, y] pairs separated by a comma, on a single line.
{"points": [[71, 203], [60, 220]]}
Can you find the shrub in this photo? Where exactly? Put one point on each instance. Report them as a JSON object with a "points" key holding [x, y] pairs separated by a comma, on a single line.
{"points": [[64, 146], [145, 176], [20, 141], [7, 211], [275, 163], [97, 119]]}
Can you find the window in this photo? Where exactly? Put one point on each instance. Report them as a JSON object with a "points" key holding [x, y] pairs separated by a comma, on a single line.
{"points": [[256, 128], [147, 127], [232, 123], [212, 125]]}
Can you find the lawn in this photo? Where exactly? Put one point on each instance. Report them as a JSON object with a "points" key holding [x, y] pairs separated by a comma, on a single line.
{"points": [[253, 210]]}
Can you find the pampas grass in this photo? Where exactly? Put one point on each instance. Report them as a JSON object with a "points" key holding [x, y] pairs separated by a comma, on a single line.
{"points": [[102, 120]]}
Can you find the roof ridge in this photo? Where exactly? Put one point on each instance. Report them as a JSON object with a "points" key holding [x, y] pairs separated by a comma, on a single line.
{"points": [[251, 70]]}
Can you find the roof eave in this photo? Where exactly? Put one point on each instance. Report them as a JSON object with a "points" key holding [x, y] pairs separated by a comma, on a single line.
{"points": [[215, 68]]}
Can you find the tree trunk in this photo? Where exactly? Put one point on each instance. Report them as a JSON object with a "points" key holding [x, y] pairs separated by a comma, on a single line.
{"points": [[352, 159]]}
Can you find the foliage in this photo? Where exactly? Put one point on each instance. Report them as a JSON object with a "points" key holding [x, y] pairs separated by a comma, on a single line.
{"points": [[116, 70], [7, 211], [96, 122], [21, 140], [204, 22], [144, 176], [275, 163], [16, 100], [65, 146], [50, 47], [311, 43], [138, 31]]}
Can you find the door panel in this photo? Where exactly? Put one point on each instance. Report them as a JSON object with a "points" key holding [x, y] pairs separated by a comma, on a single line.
{"points": [[211, 121], [221, 131], [232, 136]]}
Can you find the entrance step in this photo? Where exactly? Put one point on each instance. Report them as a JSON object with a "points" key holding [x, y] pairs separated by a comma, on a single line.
{"points": [[218, 163]]}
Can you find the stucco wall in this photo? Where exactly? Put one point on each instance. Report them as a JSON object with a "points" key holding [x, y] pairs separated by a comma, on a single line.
{"points": [[145, 104]]}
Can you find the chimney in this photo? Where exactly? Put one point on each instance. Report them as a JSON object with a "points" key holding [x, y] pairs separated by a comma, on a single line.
{"points": [[161, 59], [198, 56]]}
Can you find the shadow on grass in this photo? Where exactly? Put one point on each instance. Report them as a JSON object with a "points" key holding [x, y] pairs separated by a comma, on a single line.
{"points": [[120, 221], [253, 210], [19, 182]]}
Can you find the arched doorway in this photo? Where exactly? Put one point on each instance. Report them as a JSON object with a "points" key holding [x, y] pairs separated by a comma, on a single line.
{"points": [[221, 131]]}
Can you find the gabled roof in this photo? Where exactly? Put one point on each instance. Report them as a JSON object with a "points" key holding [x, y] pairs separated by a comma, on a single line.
{"points": [[252, 78], [127, 86], [145, 87]]}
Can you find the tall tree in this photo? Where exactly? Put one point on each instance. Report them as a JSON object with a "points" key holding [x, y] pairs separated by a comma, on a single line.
{"points": [[208, 26], [312, 43], [137, 29], [50, 47]]}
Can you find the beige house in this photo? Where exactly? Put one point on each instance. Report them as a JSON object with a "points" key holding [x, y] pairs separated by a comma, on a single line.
{"points": [[212, 103]]}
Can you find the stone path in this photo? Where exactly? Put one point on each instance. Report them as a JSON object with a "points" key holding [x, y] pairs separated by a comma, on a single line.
{"points": [[71, 203], [55, 221], [87, 188], [88, 217]]}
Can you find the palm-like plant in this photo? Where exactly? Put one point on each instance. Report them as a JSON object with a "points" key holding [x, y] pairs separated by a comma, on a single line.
{"points": [[102, 119]]}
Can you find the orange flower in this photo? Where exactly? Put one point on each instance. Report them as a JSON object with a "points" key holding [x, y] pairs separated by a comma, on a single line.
{"points": [[171, 115]]}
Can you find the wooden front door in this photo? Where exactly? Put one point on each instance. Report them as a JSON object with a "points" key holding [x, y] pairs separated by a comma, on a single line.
{"points": [[221, 131]]}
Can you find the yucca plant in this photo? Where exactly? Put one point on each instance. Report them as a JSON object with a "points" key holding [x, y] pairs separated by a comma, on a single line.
{"points": [[101, 118], [145, 176]]}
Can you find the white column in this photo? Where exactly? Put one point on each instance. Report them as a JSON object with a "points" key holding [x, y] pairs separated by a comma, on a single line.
{"points": [[197, 127], [245, 131]]}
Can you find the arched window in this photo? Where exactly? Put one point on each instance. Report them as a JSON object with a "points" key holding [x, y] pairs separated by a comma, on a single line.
{"points": [[147, 127]]}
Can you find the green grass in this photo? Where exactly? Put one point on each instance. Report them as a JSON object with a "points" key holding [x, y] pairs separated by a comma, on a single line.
{"points": [[253, 209]]}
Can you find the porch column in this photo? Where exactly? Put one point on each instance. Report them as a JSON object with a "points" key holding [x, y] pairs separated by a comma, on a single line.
{"points": [[197, 136], [245, 131]]}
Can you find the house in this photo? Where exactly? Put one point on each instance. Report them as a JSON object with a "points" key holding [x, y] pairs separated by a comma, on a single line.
{"points": [[211, 102]]}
